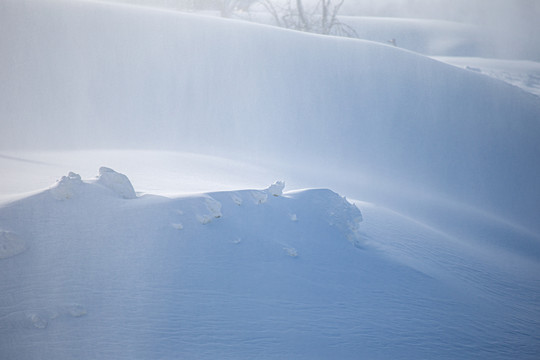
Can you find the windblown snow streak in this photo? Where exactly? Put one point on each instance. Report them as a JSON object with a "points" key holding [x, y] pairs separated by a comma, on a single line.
{"points": [[80, 74], [445, 266]]}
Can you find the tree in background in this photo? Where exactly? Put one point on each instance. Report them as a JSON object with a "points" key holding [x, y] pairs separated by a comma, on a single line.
{"points": [[226, 8], [318, 16]]}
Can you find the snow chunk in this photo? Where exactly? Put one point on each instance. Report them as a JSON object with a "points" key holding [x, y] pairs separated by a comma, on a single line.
{"points": [[118, 183], [214, 207], [10, 244], [65, 188], [336, 211], [237, 199], [178, 226], [259, 197], [276, 189], [238, 240], [204, 219], [75, 310], [38, 321], [291, 251]]}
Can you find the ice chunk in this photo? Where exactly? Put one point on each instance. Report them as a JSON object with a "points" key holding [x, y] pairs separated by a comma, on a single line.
{"points": [[118, 183]]}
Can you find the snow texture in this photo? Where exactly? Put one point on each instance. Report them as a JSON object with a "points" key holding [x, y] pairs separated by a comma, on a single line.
{"points": [[376, 284], [440, 259], [370, 109], [118, 183], [276, 189], [10, 244], [66, 187]]}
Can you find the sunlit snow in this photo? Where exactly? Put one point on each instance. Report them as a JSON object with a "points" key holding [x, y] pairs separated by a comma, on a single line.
{"points": [[179, 186]]}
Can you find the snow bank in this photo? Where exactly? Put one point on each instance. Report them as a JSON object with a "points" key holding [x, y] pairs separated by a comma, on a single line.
{"points": [[97, 261], [112, 277], [86, 75]]}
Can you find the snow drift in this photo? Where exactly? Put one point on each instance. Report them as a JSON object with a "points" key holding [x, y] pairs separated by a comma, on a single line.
{"points": [[97, 263], [87, 75], [92, 268], [249, 273]]}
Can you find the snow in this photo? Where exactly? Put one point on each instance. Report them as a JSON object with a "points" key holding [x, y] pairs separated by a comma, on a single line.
{"points": [[381, 113], [187, 244], [524, 74], [425, 36], [118, 183], [67, 186], [10, 244], [117, 272]]}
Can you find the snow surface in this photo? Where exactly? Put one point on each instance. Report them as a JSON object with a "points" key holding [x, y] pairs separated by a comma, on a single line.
{"points": [[82, 75], [105, 276], [524, 74], [425, 36], [196, 255]]}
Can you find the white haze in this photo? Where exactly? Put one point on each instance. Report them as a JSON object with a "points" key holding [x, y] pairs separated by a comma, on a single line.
{"points": [[509, 27], [442, 161]]}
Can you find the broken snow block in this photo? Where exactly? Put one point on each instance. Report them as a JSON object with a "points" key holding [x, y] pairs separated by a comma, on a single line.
{"points": [[118, 183]]}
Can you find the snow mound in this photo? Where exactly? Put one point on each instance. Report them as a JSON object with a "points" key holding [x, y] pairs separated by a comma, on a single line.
{"points": [[118, 183], [67, 186], [10, 244]]}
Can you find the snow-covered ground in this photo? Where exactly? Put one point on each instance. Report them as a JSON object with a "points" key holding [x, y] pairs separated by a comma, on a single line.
{"points": [[91, 270], [143, 213], [425, 36], [464, 45], [524, 74]]}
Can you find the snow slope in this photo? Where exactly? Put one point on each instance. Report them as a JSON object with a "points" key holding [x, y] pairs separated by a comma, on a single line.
{"points": [[425, 36], [87, 75], [90, 273], [521, 73], [192, 261]]}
